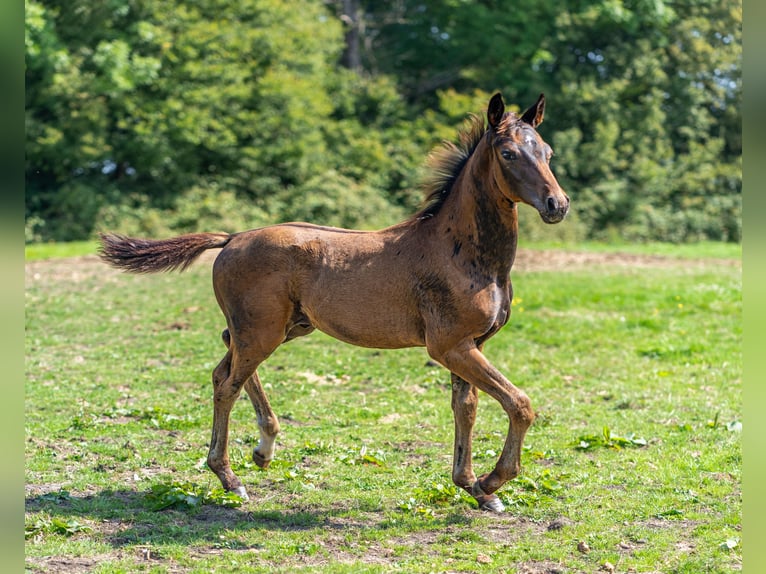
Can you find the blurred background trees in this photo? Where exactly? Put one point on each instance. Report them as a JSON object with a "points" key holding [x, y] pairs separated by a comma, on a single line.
{"points": [[161, 116]]}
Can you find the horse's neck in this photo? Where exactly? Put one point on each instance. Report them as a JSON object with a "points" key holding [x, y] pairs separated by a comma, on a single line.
{"points": [[482, 218]]}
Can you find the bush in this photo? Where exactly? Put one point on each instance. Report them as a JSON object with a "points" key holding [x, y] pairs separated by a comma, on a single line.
{"points": [[69, 214], [532, 229], [336, 200], [202, 208]]}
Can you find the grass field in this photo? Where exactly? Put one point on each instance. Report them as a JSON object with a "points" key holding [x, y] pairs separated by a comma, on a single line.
{"points": [[633, 363]]}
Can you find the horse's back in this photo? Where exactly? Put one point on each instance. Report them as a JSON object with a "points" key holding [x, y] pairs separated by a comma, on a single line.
{"points": [[353, 285], [293, 245]]}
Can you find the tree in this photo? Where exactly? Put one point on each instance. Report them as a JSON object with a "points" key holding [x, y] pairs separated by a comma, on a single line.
{"points": [[451, 44], [150, 99], [646, 96], [144, 113], [655, 93]]}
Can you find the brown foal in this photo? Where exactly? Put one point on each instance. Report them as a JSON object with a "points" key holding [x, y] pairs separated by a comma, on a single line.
{"points": [[440, 279]]}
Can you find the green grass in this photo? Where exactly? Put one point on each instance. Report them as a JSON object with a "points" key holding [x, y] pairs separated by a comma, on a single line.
{"points": [[38, 251], [635, 373]]}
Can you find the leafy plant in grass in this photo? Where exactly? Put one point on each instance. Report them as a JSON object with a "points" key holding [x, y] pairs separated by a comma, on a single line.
{"points": [[529, 492], [363, 456], [311, 448], [608, 440], [670, 513], [157, 417], [177, 494], [56, 497], [424, 500], [81, 421], [412, 506], [296, 475], [44, 525]]}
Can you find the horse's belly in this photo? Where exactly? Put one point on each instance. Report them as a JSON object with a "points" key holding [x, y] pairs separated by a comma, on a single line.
{"points": [[375, 324]]}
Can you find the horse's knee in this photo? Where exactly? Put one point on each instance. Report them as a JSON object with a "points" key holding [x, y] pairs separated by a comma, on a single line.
{"points": [[464, 397], [222, 371], [523, 411]]}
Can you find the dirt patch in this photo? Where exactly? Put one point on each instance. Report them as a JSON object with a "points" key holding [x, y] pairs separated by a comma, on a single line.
{"points": [[58, 564], [83, 564], [541, 567], [553, 260]]}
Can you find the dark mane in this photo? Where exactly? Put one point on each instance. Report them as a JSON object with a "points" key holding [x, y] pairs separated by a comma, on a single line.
{"points": [[445, 163]]}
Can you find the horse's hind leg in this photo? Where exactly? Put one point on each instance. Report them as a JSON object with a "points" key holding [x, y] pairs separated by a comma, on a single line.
{"points": [[268, 424], [249, 343], [228, 378], [464, 402]]}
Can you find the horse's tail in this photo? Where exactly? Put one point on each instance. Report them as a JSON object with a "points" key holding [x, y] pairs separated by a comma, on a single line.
{"points": [[151, 255]]}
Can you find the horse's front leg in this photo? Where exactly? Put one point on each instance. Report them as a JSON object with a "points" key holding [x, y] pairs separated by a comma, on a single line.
{"points": [[465, 399], [468, 363]]}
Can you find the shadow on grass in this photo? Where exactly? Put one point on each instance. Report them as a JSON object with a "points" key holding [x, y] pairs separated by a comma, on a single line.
{"points": [[124, 518]]}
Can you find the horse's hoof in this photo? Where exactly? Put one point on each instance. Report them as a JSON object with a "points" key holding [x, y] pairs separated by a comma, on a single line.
{"points": [[241, 492], [488, 502], [493, 504], [260, 460]]}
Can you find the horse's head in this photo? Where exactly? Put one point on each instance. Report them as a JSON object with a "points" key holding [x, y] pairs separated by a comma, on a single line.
{"points": [[520, 159]]}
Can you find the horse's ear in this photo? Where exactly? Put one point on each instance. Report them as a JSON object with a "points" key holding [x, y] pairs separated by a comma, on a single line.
{"points": [[495, 110], [534, 115]]}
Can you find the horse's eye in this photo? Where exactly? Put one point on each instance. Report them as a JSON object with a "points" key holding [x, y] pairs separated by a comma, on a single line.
{"points": [[508, 154]]}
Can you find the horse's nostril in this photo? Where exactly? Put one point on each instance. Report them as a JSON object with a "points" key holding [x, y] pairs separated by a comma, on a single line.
{"points": [[552, 206]]}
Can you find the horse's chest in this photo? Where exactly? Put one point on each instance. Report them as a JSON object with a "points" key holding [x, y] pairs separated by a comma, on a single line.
{"points": [[490, 308]]}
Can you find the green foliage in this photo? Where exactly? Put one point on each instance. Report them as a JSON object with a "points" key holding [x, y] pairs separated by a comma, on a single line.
{"points": [[426, 500], [42, 525], [182, 494], [525, 491], [649, 144], [158, 117], [608, 440], [200, 208], [364, 456]]}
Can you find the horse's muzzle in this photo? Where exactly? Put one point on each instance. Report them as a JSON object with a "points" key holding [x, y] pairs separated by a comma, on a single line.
{"points": [[556, 208]]}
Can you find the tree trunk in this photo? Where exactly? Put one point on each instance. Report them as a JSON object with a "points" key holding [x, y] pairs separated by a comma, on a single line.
{"points": [[350, 16]]}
